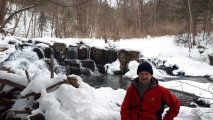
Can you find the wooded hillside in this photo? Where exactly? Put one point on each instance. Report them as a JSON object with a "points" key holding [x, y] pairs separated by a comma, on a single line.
{"points": [[113, 19]]}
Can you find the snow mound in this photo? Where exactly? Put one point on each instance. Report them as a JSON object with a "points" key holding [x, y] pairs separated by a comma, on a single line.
{"points": [[83, 103]]}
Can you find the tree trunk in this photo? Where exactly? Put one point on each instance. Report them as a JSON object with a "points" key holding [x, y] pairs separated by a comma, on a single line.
{"points": [[141, 27], [52, 27], [34, 27], [17, 21], [204, 27], [51, 63], [194, 31], [154, 14], [57, 27], [190, 25], [3, 4], [210, 22], [28, 30]]}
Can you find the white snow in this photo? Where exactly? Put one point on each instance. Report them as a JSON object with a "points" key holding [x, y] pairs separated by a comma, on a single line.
{"points": [[88, 103], [14, 77], [132, 66], [40, 81], [111, 68]]}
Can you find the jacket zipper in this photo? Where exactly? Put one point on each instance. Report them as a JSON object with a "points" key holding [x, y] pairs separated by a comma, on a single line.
{"points": [[141, 101]]}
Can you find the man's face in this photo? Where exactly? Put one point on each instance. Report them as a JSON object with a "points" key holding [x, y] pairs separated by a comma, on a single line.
{"points": [[144, 77]]}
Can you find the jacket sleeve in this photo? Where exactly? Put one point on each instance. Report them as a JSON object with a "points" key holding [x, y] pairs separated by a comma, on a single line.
{"points": [[125, 107], [173, 103]]}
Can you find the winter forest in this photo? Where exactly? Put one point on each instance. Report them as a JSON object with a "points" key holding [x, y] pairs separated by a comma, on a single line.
{"points": [[75, 59], [113, 19]]}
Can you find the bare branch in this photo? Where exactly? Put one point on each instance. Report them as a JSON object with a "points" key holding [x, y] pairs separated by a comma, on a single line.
{"points": [[8, 82], [5, 101], [27, 74], [63, 5], [13, 14]]}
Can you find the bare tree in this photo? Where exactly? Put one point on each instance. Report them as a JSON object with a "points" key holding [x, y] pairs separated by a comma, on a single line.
{"points": [[190, 36], [13, 14], [16, 24], [3, 4]]}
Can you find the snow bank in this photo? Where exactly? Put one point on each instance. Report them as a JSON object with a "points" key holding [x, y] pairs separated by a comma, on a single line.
{"points": [[83, 103]]}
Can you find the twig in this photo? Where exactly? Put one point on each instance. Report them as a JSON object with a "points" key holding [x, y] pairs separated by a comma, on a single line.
{"points": [[57, 84], [5, 101], [195, 86], [28, 95], [28, 78], [19, 111]]}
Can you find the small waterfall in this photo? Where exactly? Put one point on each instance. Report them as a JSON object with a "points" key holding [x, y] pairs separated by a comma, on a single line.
{"points": [[72, 53], [39, 52], [88, 67], [88, 52], [88, 64], [60, 69], [84, 52], [48, 51]]}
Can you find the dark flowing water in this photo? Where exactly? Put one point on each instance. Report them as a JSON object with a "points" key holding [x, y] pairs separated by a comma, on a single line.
{"points": [[113, 81], [116, 81]]}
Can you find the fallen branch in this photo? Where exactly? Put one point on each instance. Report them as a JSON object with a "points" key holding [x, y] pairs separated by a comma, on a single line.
{"points": [[57, 84], [19, 111], [38, 116], [28, 95], [49, 88], [8, 82], [6, 69], [5, 101], [3, 49]]}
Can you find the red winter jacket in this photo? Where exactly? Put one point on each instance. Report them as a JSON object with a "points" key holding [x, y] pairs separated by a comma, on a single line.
{"points": [[151, 106]]}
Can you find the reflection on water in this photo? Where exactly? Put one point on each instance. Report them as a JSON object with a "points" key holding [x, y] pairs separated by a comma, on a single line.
{"points": [[113, 81]]}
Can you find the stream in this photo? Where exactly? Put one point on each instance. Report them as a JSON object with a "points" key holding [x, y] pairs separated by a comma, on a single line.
{"points": [[117, 82]]}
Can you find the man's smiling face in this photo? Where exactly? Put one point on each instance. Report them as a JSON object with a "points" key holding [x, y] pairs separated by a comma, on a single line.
{"points": [[144, 77]]}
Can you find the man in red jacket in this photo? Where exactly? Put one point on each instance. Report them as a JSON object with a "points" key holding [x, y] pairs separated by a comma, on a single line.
{"points": [[145, 98]]}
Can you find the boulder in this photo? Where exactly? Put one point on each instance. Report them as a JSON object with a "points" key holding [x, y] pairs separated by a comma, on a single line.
{"points": [[211, 59], [59, 51]]}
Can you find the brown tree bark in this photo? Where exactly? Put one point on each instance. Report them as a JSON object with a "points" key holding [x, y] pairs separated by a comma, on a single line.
{"points": [[141, 27], [190, 25], [3, 4]]}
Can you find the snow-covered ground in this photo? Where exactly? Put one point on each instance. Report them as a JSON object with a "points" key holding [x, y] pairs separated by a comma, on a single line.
{"points": [[88, 103]]}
